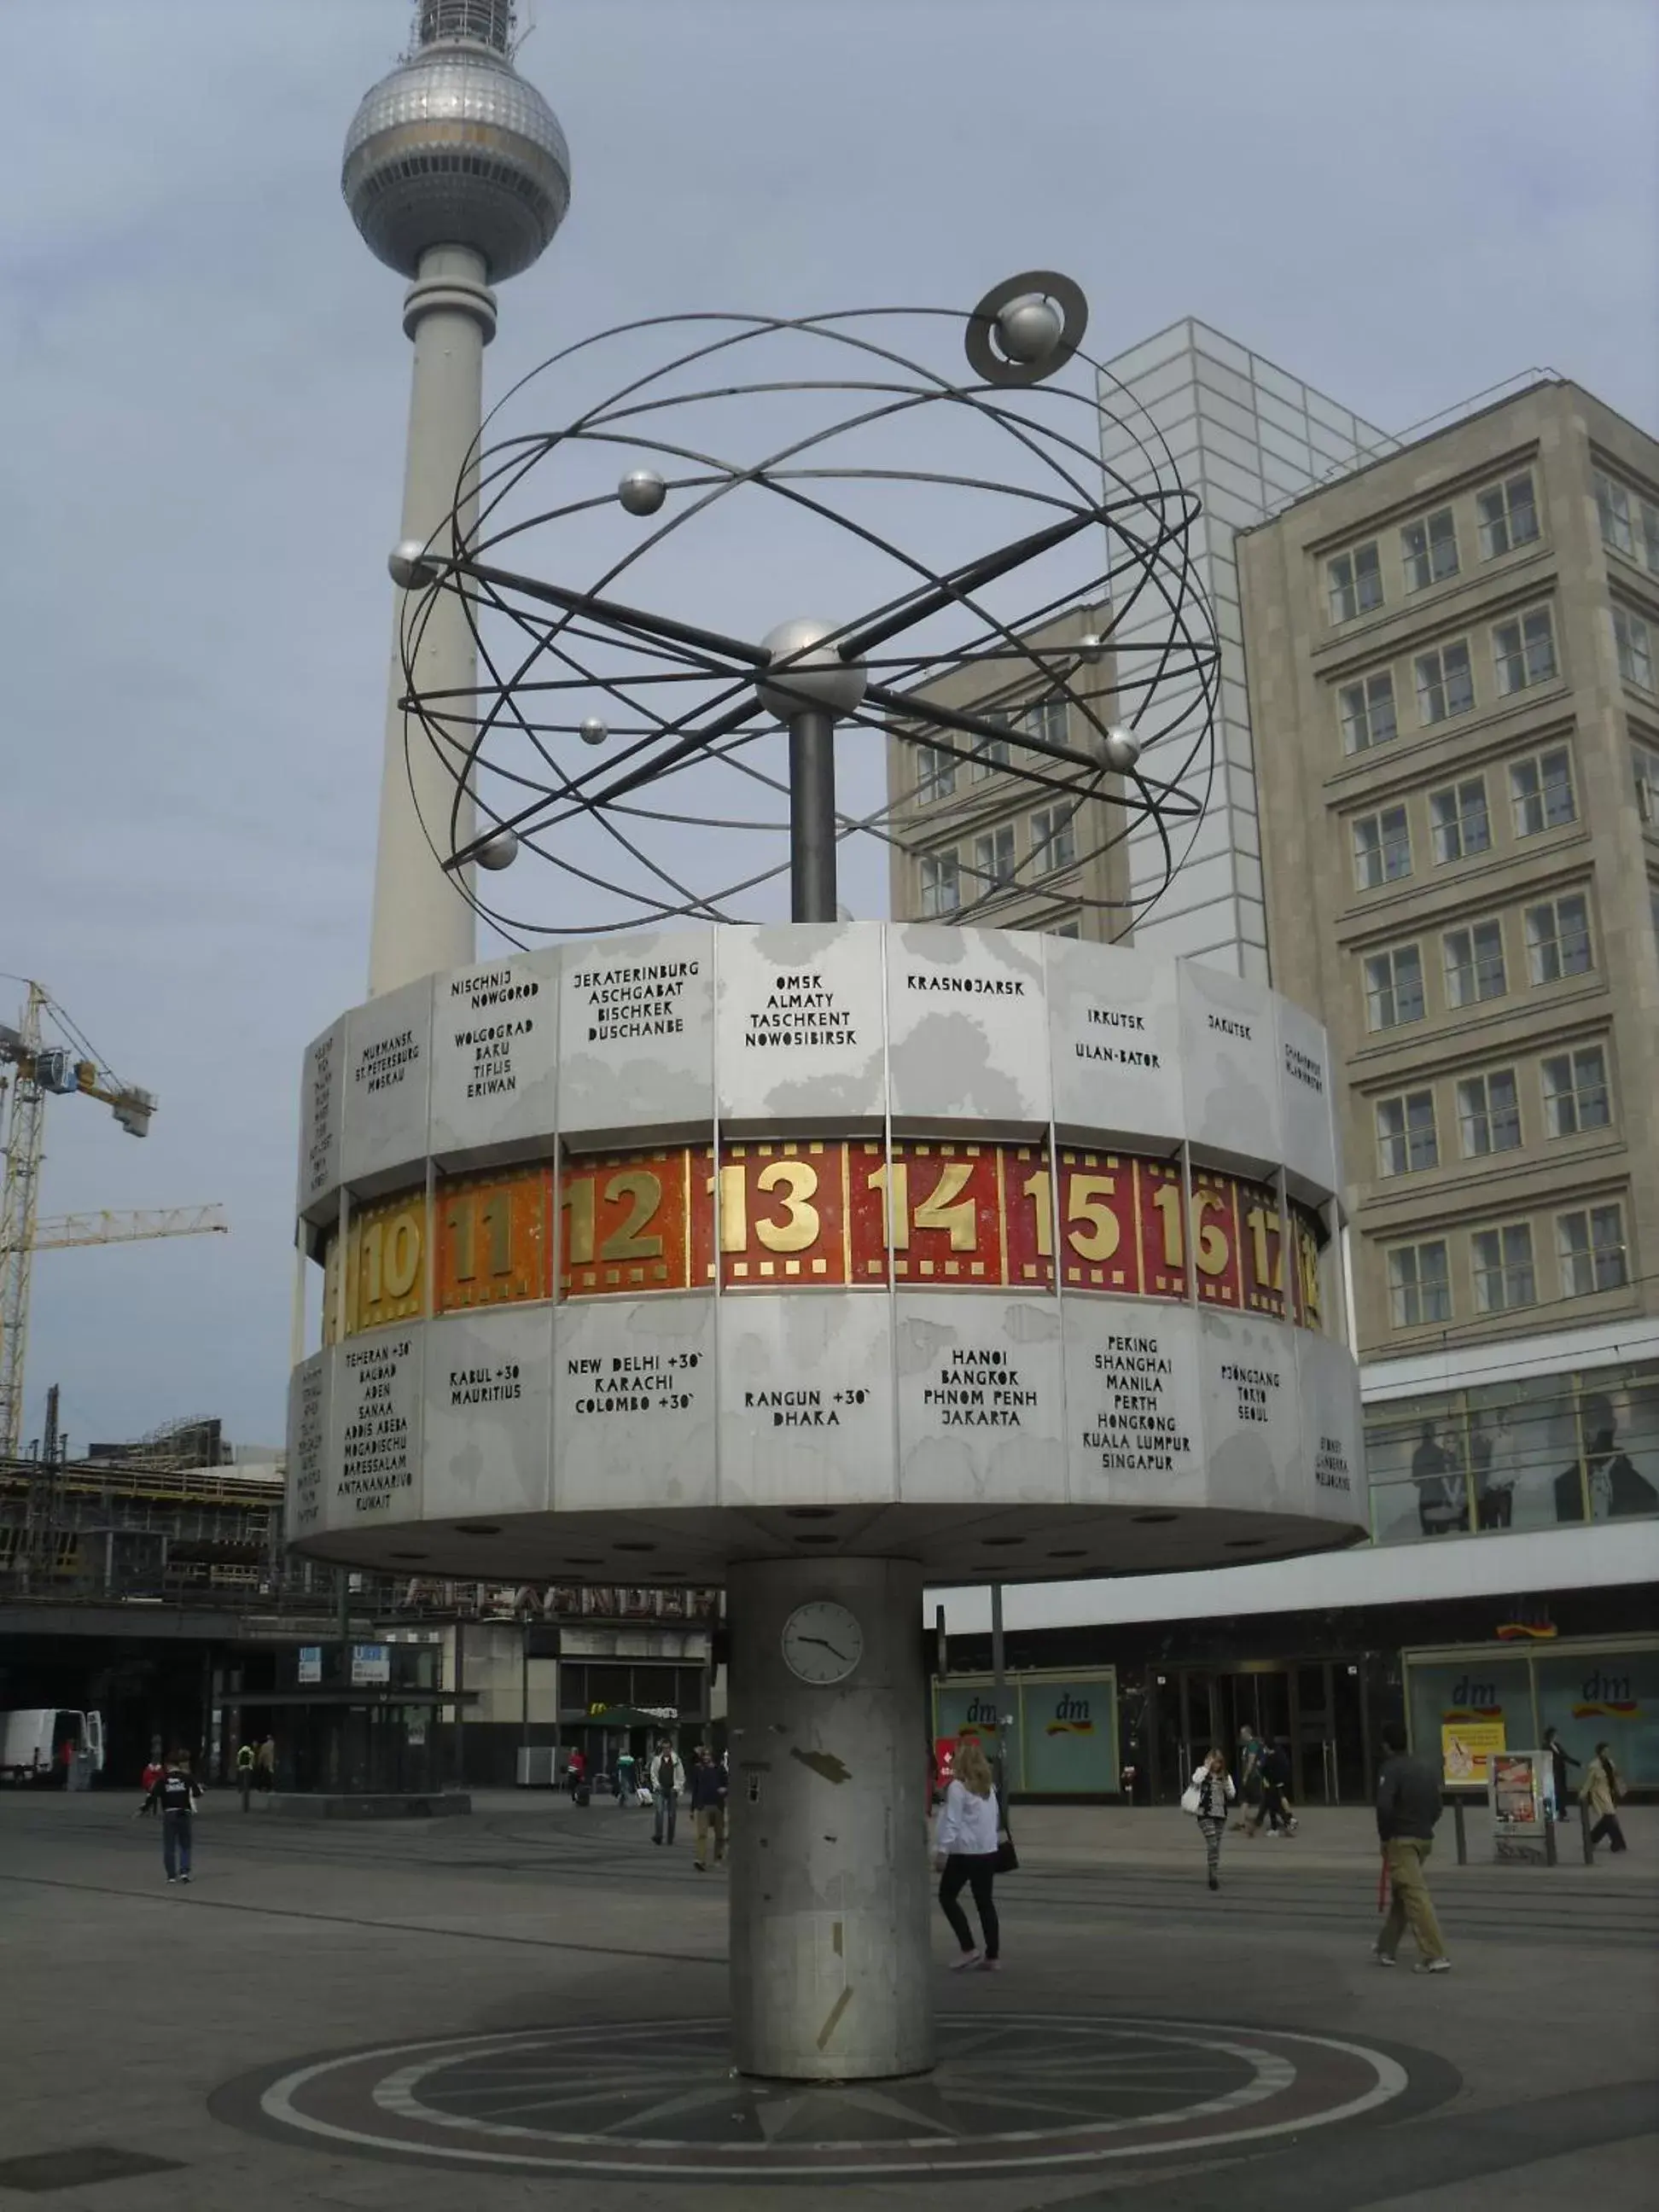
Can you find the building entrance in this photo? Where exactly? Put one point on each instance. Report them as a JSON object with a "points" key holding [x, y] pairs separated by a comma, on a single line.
{"points": [[1317, 1706]]}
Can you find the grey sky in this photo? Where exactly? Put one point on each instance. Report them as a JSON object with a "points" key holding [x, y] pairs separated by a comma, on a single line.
{"points": [[204, 384]]}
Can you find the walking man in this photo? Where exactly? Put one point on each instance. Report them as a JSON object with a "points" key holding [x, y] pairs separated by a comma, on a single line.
{"points": [[244, 1772], [626, 1790], [1407, 1808], [667, 1780], [265, 1761], [174, 1794], [708, 1808]]}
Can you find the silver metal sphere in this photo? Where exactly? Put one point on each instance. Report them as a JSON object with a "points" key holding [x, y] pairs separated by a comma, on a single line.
{"points": [[593, 730], [498, 852], [1029, 328], [411, 565], [455, 148], [1123, 748], [641, 491], [821, 679]]}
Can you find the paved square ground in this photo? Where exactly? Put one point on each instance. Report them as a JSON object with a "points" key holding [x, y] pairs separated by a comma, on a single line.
{"points": [[528, 2008]]}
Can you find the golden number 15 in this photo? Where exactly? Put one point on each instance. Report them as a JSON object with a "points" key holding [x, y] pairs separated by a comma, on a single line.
{"points": [[1086, 1201]]}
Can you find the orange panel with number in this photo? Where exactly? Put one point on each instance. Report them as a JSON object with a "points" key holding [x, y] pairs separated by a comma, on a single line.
{"points": [[1214, 1226], [1309, 1242], [783, 1214], [624, 1225], [1028, 1215], [1097, 1222], [493, 1242], [1262, 1250], [385, 1263], [1160, 1205]]}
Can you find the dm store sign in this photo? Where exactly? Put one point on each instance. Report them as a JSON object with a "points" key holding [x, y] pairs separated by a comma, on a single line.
{"points": [[1071, 1736]]}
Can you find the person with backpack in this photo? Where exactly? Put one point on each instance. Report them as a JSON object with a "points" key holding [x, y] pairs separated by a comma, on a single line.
{"points": [[1277, 1809], [667, 1780], [174, 1794], [1207, 1798], [1601, 1790]]}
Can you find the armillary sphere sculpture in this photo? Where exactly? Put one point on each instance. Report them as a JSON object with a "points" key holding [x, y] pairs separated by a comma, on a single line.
{"points": [[978, 585]]}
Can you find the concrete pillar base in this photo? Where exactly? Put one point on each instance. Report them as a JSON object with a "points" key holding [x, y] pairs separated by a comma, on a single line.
{"points": [[830, 1883]]}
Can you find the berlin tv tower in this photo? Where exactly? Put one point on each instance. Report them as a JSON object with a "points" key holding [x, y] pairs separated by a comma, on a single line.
{"points": [[456, 173]]}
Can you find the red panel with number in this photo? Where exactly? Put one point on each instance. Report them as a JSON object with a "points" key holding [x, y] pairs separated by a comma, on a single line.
{"points": [[1161, 1209], [1214, 1226], [1261, 1250], [625, 1225], [1028, 1215], [1097, 1222], [783, 1215], [946, 1215], [492, 1244]]}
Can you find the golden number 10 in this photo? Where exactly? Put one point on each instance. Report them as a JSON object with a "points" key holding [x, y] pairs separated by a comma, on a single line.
{"points": [[390, 1259]]}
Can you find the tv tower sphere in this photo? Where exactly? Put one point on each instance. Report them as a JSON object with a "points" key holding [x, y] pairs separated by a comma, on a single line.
{"points": [[456, 173]]}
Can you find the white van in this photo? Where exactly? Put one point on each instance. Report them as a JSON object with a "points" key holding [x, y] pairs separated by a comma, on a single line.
{"points": [[32, 1746]]}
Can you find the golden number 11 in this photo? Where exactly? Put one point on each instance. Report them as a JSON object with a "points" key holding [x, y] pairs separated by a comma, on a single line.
{"points": [[496, 1214]]}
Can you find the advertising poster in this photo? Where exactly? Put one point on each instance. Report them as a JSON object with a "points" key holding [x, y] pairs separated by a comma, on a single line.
{"points": [[371, 1663], [1466, 1751], [1516, 1791], [1071, 1746], [311, 1663]]}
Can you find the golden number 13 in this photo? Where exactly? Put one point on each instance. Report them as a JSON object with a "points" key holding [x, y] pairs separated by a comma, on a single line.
{"points": [[795, 1183]]}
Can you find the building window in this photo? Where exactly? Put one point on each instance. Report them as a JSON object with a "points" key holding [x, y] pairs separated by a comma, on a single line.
{"points": [[1428, 549], [941, 884], [1613, 505], [1354, 580], [1509, 515], [1651, 537], [1382, 848], [1591, 1246], [1523, 651], [1474, 963], [1074, 928], [1502, 1268], [1054, 839], [1541, 793], [1557, 938], [1406, 1138], [1046, 721], [936, 773], [1367, 711], [1445, 686], [1634, 647], [1489, 1113], [1575, 1091], [991, 753], [1459, 820], [1419, 1285], [1644, 764], [1393, 987], [994, 855]]}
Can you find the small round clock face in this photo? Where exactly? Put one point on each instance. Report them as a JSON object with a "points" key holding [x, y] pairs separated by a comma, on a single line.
{"points": [[823, 1642]]}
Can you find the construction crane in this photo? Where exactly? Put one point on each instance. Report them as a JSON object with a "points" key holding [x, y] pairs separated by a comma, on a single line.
{"points": [[49, 1057]]}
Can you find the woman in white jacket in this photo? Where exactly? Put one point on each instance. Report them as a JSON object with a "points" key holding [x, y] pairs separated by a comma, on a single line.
{"points": [[965, 1851], [1213, 1787]]}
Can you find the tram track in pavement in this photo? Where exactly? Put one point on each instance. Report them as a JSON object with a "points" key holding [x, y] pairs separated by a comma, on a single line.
{"points": [[1483, 1903]]}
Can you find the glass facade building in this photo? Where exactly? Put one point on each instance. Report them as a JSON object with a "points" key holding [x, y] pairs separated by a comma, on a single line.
{"points": [[1245, 437]]}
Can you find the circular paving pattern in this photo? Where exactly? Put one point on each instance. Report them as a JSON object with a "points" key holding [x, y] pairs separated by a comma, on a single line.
{"points": [[1013, 2092]]}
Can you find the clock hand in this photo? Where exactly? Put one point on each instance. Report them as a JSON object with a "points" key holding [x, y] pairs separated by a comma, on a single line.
{"points": [[824, 1644]]}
